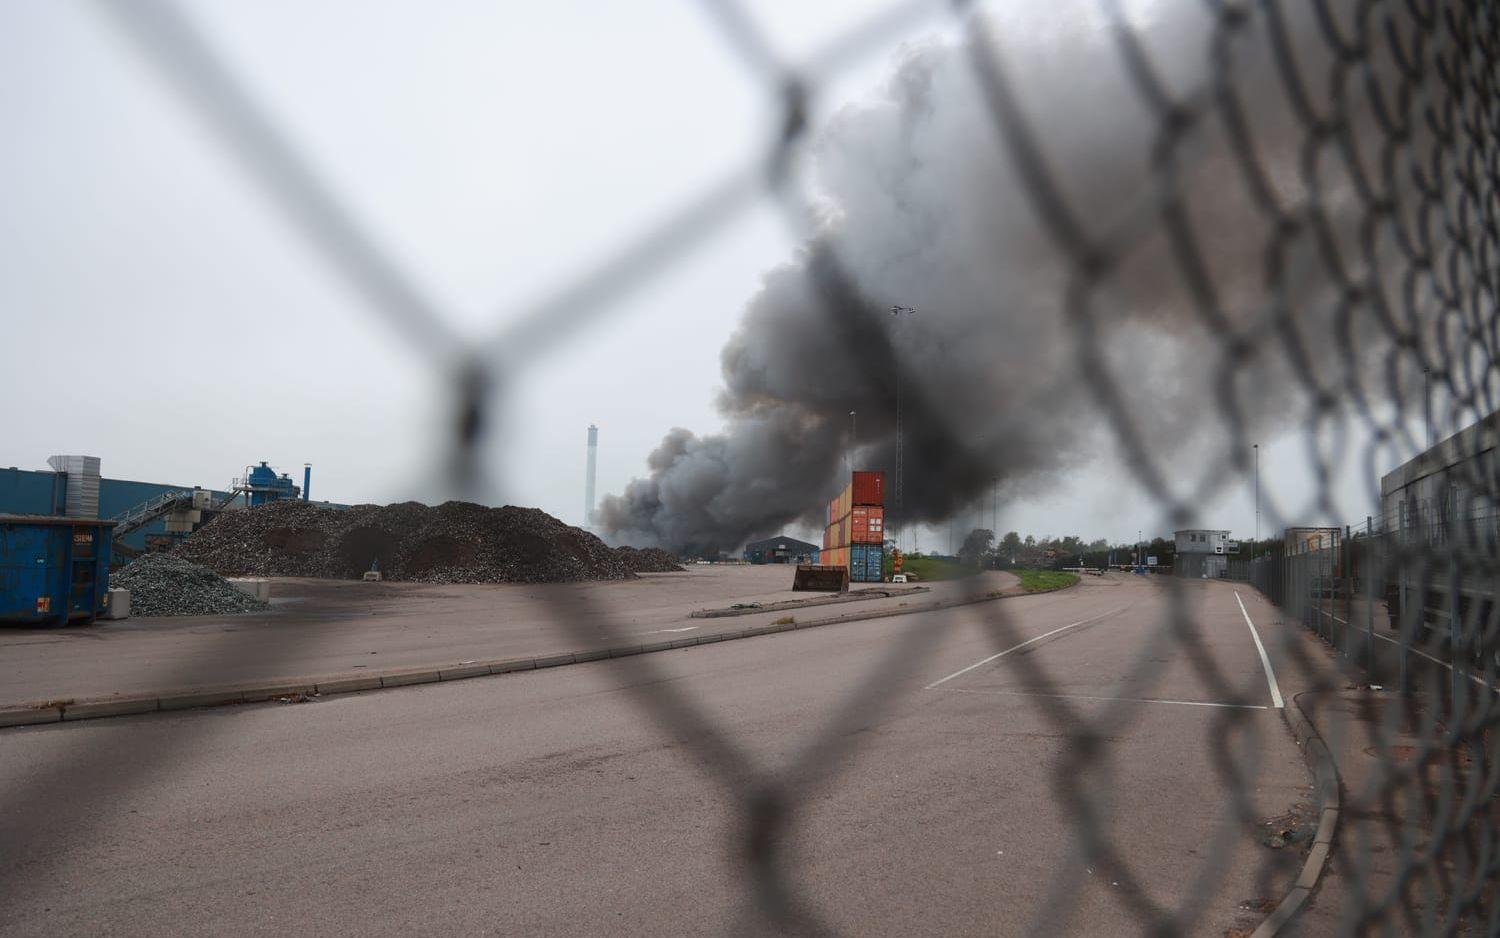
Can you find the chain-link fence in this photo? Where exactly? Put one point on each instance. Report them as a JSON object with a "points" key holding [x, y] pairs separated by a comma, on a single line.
{"points": [[1366, 229]]}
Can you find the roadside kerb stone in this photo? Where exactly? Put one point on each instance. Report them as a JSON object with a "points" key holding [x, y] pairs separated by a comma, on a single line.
{"points": [[1326, 782], [414, 676], [206, 698], [349, 685], [1283, 914], [258, 693], [507, 665], [125, 706], [28, 716], [264, 692], [1326, 825]]}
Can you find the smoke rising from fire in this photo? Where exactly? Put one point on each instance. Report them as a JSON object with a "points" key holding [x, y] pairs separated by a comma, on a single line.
{"points": [[922, 207]]}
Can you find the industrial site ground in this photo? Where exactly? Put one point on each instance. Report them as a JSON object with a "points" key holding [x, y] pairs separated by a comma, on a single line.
{"points": [[543, 803], [323, 628]]}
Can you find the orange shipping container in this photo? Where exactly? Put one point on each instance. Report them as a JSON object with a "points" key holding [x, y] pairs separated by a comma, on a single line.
{"points": [[866, 525], [837, 534]]}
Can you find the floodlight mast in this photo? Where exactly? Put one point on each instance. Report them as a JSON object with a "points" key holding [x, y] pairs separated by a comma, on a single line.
{"points": [[896, 312]]}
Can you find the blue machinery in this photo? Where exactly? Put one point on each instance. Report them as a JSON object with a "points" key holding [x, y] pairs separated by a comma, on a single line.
{"points": [[183, 508], [263, 485]]}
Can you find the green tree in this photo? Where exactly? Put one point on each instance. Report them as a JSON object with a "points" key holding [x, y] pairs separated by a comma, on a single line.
{"points": [[975, 546], [1010, 548]]}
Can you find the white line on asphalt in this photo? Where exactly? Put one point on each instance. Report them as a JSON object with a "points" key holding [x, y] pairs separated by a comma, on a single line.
{"points": [[1386, 638], [654, 631], [1265, 661], [1184, 703], [1007, 651]]}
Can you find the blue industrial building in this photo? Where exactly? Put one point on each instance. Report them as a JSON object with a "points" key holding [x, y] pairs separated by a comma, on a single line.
{"points": [[42, 492], [781, 550]]}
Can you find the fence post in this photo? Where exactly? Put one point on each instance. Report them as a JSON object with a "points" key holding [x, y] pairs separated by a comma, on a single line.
{"points": [[1347, 589], [1370, 567]]}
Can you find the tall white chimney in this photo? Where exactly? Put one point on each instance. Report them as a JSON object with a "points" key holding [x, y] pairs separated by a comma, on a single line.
{"points": [[588, 484]]}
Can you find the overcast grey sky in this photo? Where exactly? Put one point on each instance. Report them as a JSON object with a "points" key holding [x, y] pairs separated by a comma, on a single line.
{"points": [[160, 314]]}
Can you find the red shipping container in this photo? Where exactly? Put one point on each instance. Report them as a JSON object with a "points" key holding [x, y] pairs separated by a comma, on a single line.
{"points": [[867, 525], [869, 488]]}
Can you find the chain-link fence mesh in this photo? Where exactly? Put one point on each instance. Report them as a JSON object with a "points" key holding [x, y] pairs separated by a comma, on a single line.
{"points": [[1363, 284]]}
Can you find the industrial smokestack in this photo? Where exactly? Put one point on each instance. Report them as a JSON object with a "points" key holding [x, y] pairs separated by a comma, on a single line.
{"points": [[588, 483]]}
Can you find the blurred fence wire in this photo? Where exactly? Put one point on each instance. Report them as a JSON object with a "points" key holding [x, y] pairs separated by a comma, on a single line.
{"points": [[1401, 257]]}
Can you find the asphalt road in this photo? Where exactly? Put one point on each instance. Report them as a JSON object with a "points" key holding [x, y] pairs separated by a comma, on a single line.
{"points": [[555, 802]]}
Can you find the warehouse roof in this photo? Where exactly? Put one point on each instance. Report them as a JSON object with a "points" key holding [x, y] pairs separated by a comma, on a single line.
{"points": [[781, 543]]}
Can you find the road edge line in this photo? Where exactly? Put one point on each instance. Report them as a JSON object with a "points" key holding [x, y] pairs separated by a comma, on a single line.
{"points": [[1265, 660], [15, 715], [1325, 774]]}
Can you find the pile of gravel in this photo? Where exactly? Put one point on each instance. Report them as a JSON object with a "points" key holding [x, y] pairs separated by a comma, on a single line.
{"points": [[456, 542], [649, 560], [163, 585]]}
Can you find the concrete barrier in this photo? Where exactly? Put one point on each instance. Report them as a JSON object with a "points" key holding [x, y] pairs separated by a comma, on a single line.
{"points": [[253, 587], [118, 605]]}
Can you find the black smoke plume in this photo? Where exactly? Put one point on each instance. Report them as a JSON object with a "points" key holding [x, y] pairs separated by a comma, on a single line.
{"points": [[923, 207]]}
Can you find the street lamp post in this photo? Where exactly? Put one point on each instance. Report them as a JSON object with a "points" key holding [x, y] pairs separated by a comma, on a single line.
{"points": [[900, 519], [1256, 545], [853, 442]]}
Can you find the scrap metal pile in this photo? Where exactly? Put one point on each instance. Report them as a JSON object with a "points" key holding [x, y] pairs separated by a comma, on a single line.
{"points": [[163, 585], [456, 542], [649, 560]]}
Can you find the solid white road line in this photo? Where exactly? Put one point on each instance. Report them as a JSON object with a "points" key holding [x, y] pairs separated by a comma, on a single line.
{"points": [[1386, 638], [1265, 661], [1183, 703], [654, 631], [1070, 625]]}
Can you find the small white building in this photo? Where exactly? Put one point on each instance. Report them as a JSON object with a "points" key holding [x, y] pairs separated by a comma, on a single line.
{"points": [[1202, 541], [1201, 552]]}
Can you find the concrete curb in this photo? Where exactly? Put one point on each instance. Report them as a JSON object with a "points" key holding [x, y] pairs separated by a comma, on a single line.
{"points": [[68, 711], [1326, 781]]}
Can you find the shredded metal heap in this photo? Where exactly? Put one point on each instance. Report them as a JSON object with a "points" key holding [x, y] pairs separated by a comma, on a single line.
{"points": [[649, 560], [456, 542], [163, 585]]}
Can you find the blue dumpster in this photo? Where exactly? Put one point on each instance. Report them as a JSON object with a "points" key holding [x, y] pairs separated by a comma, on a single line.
{"points": [[53, 570]]}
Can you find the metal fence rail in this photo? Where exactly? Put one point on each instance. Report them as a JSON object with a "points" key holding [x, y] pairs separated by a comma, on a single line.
{"points": [[1370, 202]]}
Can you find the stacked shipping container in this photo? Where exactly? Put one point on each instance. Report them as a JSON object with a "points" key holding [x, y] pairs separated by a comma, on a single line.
{"points": [[855, 534]]}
